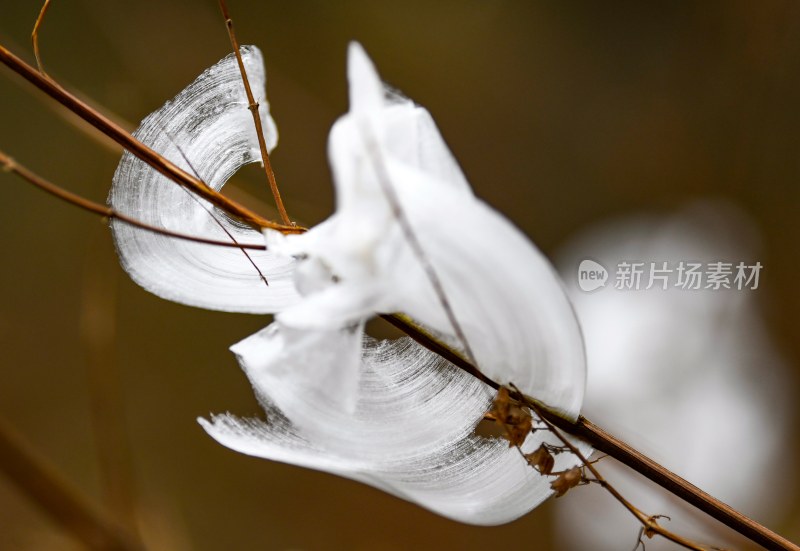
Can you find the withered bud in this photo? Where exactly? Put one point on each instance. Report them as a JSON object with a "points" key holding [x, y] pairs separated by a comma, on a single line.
{"points": [[541, 459], [566, 481], [515, 419], [650, 529], [501, 404], [518, 432]]}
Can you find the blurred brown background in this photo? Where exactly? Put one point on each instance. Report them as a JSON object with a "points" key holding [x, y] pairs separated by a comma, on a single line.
{"points": [[561, 114]]}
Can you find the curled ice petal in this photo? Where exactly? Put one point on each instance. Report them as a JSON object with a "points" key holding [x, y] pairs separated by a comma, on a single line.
{"points": [[411, 434], [304, 369], [407, 131], [506, 296], [208, 130]]}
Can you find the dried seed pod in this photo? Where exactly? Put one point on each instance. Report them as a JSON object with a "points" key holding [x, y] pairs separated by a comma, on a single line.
{"points": [[566, 481], [541, 459], [515, 419]]}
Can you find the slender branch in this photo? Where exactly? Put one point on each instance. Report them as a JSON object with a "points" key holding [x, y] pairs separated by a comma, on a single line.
{"points": [[208, 210], [629, 456], [137, 148], [253, 107], [98, 327], [35, 36], [429, 341], [63, 503], [399, 214], [9, 165], [648, 522]]}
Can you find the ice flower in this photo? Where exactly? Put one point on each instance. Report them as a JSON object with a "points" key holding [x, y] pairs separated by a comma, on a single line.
{"points": [[390, 414]]}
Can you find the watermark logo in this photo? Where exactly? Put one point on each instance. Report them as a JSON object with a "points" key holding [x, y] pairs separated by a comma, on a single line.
{"points": [[683, 275], [591, 275]]}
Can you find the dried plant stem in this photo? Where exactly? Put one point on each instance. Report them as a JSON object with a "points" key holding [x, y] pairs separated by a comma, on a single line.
{"points": [[632, 458], [10, 165], [219, 224], [137, 148], [98, 323], [649, 522], [399, 215], [35, 36], [253, 107], [42, 484]]}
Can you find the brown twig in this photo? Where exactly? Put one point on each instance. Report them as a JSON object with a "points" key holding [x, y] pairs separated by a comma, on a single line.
{"points": [[137, 148], [98, 323], [542, 461], [10, 165], [253, 107], [384, 180], [649, 522], [632, 458], [63, 503], [219, 224], [35, 36]]}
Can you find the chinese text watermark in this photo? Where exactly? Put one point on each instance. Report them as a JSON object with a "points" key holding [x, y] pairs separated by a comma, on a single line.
{"points": [[684, 275]]}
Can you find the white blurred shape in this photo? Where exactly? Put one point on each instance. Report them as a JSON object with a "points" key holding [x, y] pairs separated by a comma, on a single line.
{"points": [[689, 377]]}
